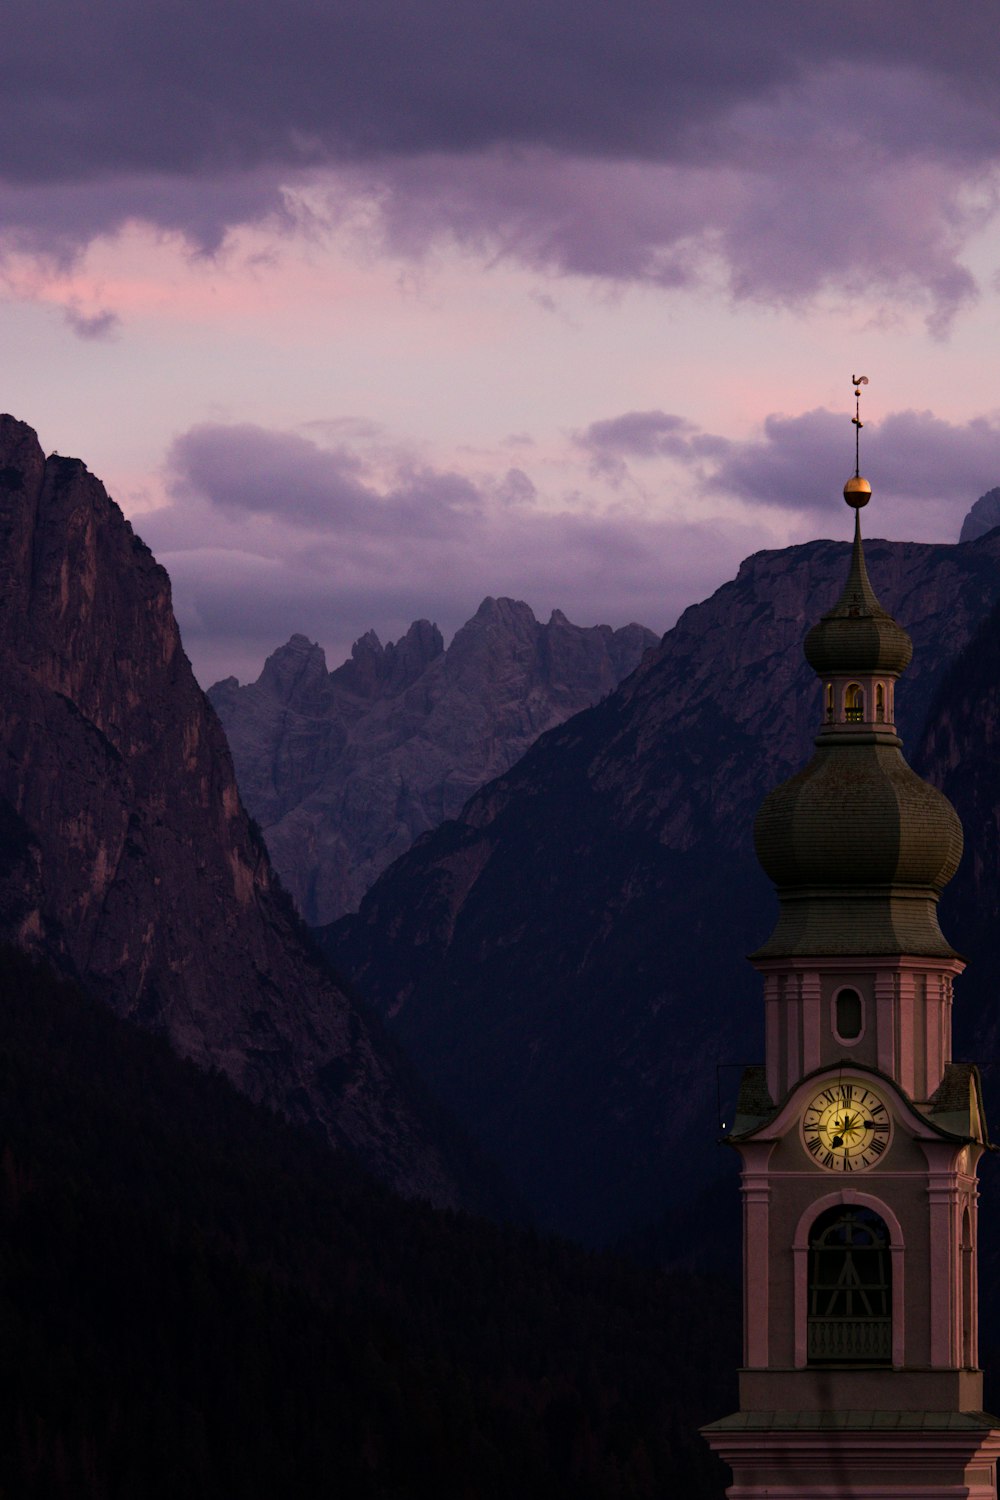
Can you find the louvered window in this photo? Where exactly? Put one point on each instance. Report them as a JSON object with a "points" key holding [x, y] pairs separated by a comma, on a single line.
{"points": [[850, 1289]]}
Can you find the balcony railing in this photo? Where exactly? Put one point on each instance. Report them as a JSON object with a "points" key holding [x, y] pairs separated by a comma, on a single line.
{"points": [[850, 1340]]}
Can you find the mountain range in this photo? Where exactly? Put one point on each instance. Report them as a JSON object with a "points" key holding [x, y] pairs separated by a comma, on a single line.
{"points": [[344, 769]]}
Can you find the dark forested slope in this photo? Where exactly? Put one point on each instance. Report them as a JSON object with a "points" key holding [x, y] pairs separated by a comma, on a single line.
{"points": [[198, 1299]]}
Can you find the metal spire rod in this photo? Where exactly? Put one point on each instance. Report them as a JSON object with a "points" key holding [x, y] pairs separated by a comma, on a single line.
{"points": [[858, 381]]}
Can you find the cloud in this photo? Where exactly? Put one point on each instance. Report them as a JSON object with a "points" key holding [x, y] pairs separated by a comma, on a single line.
{"points": [[289, 479], [100, 325], [178, 87], [55, 220], [644, 435], [514, 488], [910, 457], [913, 459], [780, 150], [269, 532]]}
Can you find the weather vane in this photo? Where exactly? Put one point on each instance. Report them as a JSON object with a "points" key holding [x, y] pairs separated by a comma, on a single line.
{"points": [[857, 491]]}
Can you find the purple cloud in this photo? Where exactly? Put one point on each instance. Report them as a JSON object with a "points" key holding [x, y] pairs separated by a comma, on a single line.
{"points": [[789, 147], [99, 325], [170, 86], [642, 434], [271, 532], [291, 479], [377, 543], [911, 457]]}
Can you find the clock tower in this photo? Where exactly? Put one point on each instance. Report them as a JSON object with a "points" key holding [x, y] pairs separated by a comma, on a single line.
{"points": [[860, 1135]]}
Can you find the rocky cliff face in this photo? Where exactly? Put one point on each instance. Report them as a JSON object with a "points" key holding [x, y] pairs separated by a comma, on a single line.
{"points": [[344, 769], [565, 959], [983, 516], [126, 858]]}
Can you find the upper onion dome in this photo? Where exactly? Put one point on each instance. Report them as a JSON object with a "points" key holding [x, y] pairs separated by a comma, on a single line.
{"points": [[857, 635], [858, 846]]}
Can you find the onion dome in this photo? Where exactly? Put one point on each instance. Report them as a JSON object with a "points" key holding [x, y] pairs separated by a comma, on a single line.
{"points": [[857, 635], [859, 848]]}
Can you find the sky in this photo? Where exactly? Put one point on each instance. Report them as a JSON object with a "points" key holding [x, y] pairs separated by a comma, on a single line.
{"points": [[366, 309]]}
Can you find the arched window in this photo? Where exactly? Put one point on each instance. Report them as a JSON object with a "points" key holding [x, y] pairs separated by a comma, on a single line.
{"points": [[829, 703], [854, 703], [880, 702], [848, 1015], [849, 1318]]}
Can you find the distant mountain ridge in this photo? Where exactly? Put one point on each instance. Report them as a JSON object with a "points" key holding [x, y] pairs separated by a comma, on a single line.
{"points": [[565, 959], [344, 769], [126, 858]]}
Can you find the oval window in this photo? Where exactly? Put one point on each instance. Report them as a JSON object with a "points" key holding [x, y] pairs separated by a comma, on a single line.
{"points": [[849, 1015]]}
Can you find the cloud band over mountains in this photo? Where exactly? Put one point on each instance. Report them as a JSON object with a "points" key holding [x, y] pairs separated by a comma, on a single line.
{"points": [[779, 148], [274, 530]]}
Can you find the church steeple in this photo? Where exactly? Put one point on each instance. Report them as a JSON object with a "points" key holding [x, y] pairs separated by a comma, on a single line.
{"points": [[859, 1136]]}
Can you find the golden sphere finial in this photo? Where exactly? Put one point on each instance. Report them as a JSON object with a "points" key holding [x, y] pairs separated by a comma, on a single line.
{"points": [[857, 491]]}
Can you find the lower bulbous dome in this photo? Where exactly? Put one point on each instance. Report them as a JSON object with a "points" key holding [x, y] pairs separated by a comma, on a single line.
{"points": [[858, 817]]}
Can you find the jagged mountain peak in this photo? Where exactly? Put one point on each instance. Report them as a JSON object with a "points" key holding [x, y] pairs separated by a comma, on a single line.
{"points": [[296, 672], [496, 607], [408, 732]]}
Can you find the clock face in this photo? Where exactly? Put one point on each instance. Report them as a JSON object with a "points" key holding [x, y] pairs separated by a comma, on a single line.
{"points": [[846, 1127]]}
